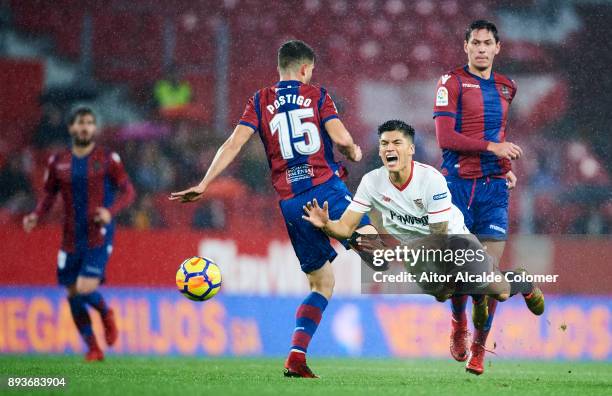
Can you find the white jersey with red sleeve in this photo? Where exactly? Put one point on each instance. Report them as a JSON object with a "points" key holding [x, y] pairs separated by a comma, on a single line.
{"points": [[409, 209]]}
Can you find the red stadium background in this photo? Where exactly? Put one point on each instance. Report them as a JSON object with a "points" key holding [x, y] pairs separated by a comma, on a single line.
{"points": [[379, 60], [151, 258]]}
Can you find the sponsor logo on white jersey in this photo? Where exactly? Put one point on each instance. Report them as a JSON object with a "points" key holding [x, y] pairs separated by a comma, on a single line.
{"points": [[440, 196]]}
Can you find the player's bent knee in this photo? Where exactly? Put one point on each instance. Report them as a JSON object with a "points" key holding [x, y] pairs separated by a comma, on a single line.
{"points": [[325, 291], [85, 290], [324, 287], [86, 285], [442, 297], [502, 297], [322, 280], [72, 290]]}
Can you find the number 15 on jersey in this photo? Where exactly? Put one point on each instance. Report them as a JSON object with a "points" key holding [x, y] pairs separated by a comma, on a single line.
{"points": [[290, 127]]}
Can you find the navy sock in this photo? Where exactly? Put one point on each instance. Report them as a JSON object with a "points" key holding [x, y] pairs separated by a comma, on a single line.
{"points": [[96, 300], [307, 320], [81, 316]]}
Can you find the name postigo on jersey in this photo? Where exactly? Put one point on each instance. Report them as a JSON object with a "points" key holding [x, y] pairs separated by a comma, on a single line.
{"points": [[289, 99]]}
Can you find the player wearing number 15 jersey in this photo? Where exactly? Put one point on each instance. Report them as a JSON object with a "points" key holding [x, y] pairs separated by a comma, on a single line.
{"points": [[298, 124]]}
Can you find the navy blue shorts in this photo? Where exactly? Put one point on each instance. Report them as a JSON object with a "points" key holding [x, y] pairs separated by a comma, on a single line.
{"points": [[311, 245], [88, 263], [484, 204]]}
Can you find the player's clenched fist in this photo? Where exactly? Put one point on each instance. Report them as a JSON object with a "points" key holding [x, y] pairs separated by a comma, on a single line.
{"points": [[356, 157], [505, 150], [316, 215], [103, 216], [511, 180], [29, 222]]}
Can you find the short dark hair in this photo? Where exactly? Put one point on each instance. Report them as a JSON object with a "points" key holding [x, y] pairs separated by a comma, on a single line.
{"points": [[482, 24], [396, 125], [294, 51], [79, 112]]}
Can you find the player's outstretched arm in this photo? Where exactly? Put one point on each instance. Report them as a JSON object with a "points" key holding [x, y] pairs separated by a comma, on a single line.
{"points": [[225, 155], [342, 138], [340, 229]]}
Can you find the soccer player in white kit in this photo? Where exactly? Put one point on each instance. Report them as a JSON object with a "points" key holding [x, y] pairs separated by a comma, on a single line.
{"points": [[414, 200]]}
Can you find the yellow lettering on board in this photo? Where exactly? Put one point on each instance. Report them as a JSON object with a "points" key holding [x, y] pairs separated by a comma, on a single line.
{"points": [[15, 324], [186, 327], [245, 336], [41, 330], [214, 339]]}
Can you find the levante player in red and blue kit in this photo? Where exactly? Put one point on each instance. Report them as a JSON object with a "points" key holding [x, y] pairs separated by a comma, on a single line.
{"points": [[88, 177], [298, 124], [471, 113]]}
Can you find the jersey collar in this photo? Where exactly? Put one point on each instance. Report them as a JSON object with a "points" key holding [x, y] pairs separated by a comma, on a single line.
{"points": [[467, 70], [85, 156], [288, 84], [403, 187]]}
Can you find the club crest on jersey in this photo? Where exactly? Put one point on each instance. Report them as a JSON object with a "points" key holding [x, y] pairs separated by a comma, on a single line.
{"points": [[442, 97], [419, 203]]}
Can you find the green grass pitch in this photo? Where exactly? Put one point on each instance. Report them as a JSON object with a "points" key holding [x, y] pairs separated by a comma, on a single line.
{"points": [[228, 376]]}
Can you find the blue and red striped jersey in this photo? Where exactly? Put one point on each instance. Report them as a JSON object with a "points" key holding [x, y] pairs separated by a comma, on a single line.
{"points": [[85, 184], [290, 118], [480, 108]]}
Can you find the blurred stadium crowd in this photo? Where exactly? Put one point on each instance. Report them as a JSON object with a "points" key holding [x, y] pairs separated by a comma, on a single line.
{"points": [[187, 68]]}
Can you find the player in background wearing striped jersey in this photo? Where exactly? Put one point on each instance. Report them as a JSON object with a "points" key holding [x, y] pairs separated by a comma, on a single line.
{"points": [[298, 124], [471, 112], [88, 177]]}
